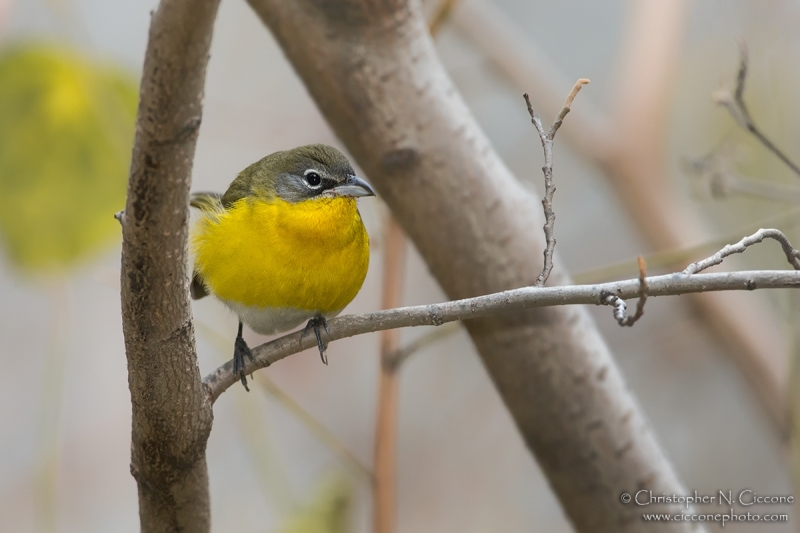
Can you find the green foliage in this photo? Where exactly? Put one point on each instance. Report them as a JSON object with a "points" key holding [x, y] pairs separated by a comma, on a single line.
{"points": [[66, 130], [328, 511]]}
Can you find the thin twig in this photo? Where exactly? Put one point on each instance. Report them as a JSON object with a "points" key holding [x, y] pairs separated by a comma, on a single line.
{"points": [[567, 106], [547, 199], [734, 103], [621, 307], [547, 169], [642, 291], [792, 255], [682, 256], [513, 300]]}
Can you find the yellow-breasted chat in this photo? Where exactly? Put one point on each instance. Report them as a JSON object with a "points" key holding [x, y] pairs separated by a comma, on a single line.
{"points": [[284, 244]]}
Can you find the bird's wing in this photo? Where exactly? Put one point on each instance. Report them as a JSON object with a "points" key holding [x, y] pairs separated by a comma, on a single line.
{"points": [[207, 202], [197, 288]]}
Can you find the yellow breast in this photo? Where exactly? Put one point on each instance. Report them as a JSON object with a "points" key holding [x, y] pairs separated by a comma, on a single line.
{"points": [[310, 255]]}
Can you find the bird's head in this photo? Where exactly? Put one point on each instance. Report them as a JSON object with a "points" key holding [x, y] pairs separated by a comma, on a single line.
{"points": [[305, 173]]}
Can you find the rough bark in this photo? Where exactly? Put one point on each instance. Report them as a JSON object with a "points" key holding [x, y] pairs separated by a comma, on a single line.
{"points": [[171, 413], [372, 70]]}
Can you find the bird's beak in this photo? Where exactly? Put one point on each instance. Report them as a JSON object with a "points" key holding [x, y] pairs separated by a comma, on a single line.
{"points": [[353, 187]]}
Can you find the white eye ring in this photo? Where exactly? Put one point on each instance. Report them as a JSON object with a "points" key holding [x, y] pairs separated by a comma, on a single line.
{"points": [[313, 178]]}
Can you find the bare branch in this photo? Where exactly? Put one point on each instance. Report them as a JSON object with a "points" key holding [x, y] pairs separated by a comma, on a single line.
{"points": [[642, 291], [682, 256], [514, 300], [792, 255], [537, 122], [621, 307], [567, 105], [547, 169], [734, 103]]}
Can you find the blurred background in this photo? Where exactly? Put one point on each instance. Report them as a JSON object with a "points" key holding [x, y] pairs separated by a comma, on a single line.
{"points": [[646, 164]]}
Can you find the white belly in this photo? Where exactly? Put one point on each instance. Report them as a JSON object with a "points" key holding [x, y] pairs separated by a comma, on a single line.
{"points": [[272, 320]]}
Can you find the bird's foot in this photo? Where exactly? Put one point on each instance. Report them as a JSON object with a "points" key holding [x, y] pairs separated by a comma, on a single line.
{"points": [[240, 350], [314, 324]]}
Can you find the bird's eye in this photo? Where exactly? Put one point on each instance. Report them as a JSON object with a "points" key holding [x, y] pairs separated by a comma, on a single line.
{"points": [[313, 178]]}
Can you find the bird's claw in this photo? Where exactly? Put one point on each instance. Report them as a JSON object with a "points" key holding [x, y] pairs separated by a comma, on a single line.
{"points": [[314, 324], [240, 349]]}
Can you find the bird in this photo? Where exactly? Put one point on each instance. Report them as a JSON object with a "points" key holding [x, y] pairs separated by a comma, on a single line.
{"points": [[285, 244]]}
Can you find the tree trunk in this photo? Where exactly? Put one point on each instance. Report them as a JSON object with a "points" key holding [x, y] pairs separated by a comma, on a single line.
{"points": [[171, 411], [372, 69]]}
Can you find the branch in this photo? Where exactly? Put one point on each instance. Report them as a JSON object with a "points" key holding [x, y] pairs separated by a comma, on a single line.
{"points": [[681, 256], [503, 302], [621, 308], [792, 255], [567, 105], [547, 169], [734, 103], [171, 413]]}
